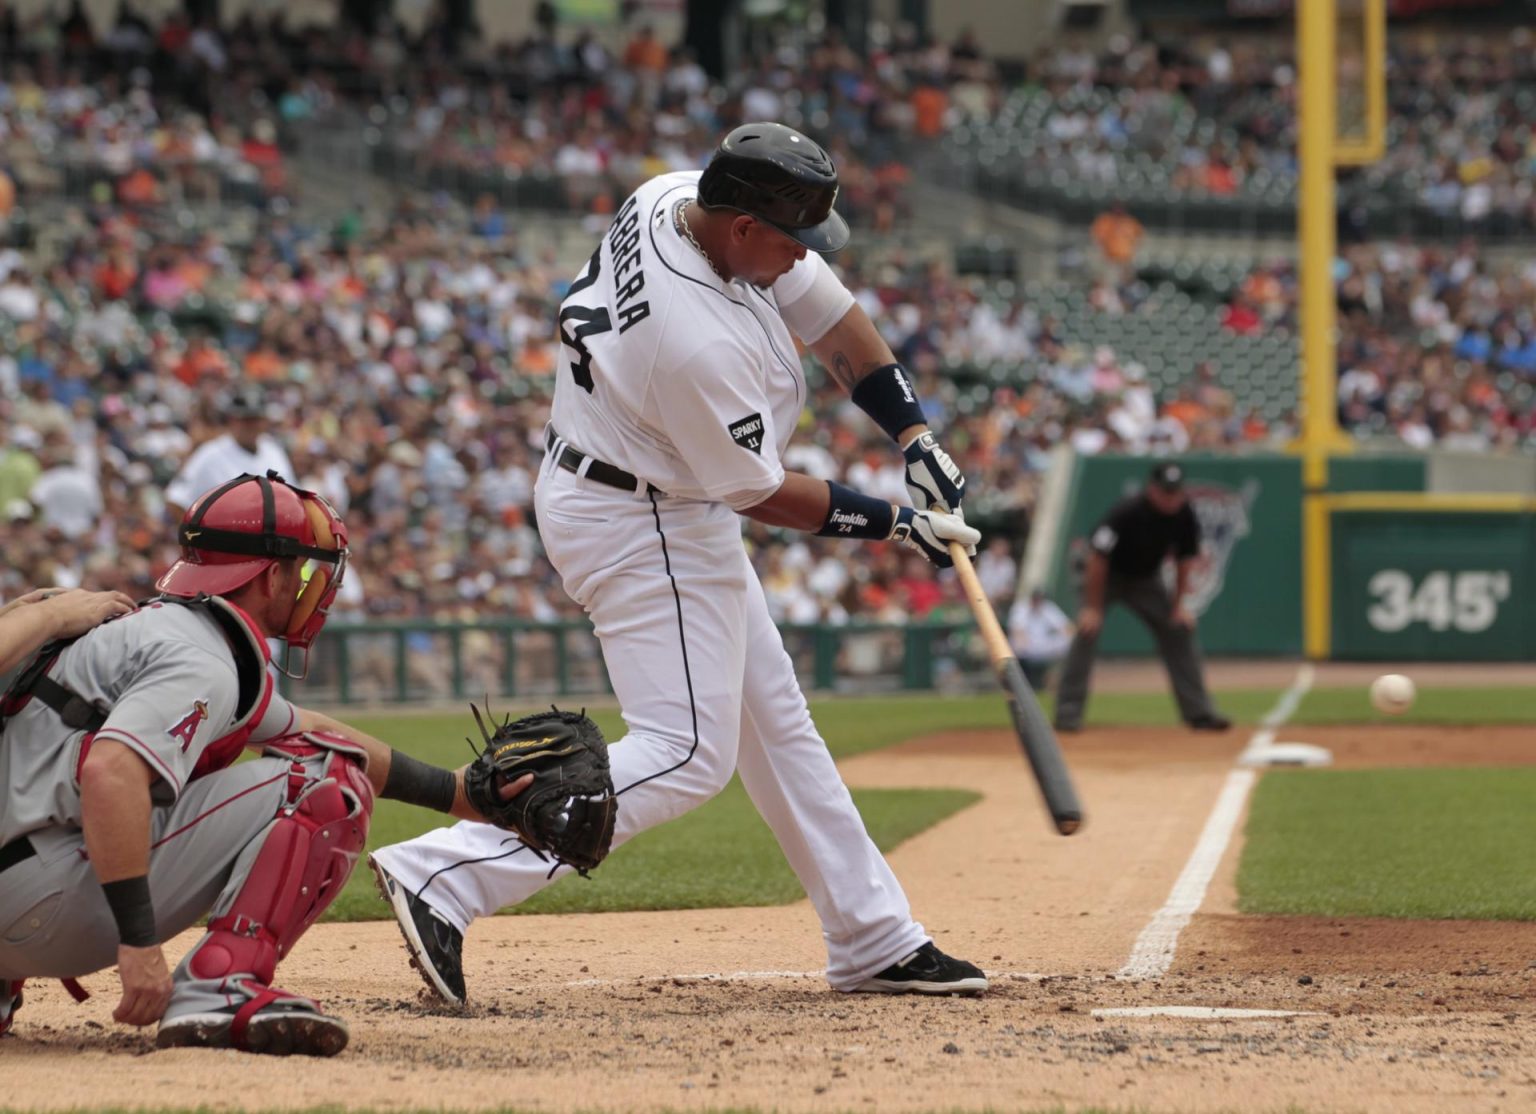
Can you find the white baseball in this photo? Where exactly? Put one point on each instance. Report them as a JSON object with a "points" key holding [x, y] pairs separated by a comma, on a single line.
{"points": [[1392, 693]]}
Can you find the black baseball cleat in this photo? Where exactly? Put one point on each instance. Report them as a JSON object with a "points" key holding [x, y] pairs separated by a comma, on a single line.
{"points": [[1062, 728], [435, 946], [926, 971], [1213, 722]]}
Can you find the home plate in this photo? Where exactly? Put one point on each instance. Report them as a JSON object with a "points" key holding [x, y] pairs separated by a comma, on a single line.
{"points": [[1200, 1013]]}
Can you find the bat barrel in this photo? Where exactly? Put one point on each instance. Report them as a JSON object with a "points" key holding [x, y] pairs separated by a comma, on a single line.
{"points": [[1039, 742], [1035, 733]]}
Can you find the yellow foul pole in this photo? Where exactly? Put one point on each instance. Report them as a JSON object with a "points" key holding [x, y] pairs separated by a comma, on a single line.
{"points": [[1317, 235]]}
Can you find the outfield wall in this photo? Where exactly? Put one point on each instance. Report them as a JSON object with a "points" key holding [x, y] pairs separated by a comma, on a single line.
{"points": [[1408, 574], [1431, 578], [1248, 593]]}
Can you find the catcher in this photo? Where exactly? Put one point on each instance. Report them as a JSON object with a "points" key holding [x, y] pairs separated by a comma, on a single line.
{"points": [[123, 820]]}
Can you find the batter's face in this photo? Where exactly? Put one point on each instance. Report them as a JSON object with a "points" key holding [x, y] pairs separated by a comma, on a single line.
{"points": [[762, 254]]}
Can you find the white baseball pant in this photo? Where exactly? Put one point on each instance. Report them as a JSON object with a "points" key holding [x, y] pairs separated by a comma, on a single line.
{"points": [[706, 687]]}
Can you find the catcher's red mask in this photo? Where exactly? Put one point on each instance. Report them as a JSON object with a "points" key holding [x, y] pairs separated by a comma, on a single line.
{"points": [[233, 534]]}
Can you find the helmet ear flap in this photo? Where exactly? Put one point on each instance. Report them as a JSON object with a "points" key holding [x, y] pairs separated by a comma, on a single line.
{"points": [[311, 592], [321, 578]]}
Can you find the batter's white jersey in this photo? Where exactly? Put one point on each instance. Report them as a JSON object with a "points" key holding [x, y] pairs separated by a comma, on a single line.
{"points": [[684, 380], [692, 384]]}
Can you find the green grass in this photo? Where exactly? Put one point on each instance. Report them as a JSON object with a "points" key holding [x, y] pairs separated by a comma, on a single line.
{"points": [[718, 855], [1506, 704], [722, 854], [850, 725], [1423, 843], [1157, 709]]}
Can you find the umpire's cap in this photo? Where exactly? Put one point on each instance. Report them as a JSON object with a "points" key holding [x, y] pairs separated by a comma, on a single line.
{"points": [[1168, 476], [773, 173]]}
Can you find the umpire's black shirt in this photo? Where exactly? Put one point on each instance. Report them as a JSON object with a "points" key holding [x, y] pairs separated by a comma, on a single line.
{"points": [[1136, 537]]}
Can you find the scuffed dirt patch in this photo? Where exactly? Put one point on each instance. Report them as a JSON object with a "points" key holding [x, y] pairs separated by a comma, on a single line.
{"points": [[606, 1012]]}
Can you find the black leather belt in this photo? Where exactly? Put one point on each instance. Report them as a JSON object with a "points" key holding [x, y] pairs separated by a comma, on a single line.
{"points": [[571, 460], [19, 850]]}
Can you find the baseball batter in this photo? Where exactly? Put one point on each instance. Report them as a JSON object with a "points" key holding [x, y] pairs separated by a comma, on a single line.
{"points": [[679, 393], [122, 820]]}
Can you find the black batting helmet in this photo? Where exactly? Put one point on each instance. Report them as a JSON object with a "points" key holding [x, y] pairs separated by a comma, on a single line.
{"points": [[773, 173]]}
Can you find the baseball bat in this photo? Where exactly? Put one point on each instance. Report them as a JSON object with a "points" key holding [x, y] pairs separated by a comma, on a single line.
{"points": [[1034, 730]]}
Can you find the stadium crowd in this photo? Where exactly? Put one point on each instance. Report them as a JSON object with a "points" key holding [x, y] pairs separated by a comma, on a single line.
{"points": [[1438, 347], [403, 363], [1217, 117], [183, 110], [405, 373]]}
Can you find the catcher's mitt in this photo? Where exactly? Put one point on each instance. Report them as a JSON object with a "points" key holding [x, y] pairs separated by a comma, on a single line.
{"points": [[569, 809]]}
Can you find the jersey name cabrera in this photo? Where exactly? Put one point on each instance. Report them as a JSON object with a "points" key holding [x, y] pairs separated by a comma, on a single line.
{"points": [[690, 383]]}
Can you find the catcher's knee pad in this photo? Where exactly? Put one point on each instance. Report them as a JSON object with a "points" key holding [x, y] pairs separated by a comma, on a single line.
{"points": [[296, 865]]}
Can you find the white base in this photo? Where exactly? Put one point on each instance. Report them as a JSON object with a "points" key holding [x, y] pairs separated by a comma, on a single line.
{"points": [[1285, 754]]}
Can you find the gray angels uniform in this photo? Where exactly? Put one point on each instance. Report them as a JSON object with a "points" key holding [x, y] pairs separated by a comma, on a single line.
{"points": [[168, 679]]}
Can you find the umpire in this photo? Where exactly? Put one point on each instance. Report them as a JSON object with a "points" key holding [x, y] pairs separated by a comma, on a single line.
{"points": [[1125, 560]]}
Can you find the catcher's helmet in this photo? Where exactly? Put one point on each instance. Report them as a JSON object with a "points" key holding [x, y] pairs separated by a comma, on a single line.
{"points": [[232, 534], [773, 173]]}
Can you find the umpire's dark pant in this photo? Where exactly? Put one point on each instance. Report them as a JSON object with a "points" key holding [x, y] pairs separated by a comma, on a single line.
{"points": [[1176, 645]]}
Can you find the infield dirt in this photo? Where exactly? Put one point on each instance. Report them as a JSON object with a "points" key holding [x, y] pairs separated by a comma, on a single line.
{"points": [[609, 1012]]}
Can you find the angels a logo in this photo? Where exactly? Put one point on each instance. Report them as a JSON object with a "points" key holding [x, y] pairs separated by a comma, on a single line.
{"points": [[1224, 521], [186, 729], [748, 432]]}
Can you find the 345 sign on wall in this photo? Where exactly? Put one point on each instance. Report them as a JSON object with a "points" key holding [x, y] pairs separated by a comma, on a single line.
{"points": [[1412, 585], [1466, 601]]}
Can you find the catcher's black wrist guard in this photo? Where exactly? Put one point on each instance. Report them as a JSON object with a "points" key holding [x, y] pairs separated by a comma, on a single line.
{"points": [[567, 813]]}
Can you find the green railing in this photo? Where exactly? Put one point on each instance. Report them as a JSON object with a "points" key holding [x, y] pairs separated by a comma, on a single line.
{"points": [[404, 661]]}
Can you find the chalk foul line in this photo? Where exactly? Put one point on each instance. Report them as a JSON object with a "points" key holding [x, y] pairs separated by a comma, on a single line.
{"points": [[1155, 947]]}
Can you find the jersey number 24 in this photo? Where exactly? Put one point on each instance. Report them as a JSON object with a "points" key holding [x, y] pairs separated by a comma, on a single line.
{"points": [[590, 320]]}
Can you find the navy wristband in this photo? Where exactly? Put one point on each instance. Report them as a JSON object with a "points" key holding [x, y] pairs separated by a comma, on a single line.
{"points": [[417, 783], [133, 910], [852, 514], [886, 395]]}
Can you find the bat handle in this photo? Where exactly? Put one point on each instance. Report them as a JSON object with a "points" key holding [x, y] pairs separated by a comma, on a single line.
{"points": [[986, 620]]}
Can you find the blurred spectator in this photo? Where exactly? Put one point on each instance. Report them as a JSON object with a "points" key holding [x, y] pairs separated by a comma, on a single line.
{"points": [[1118, 236], [997, 572], [66, 495], [1039, 633], [247, 447]]}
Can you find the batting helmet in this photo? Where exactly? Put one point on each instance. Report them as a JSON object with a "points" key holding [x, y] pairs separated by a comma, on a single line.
{"points": [[773, 173], [234, 532]]}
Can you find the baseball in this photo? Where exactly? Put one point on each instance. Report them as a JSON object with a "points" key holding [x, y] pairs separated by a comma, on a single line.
{"points": [[1392, 693]]}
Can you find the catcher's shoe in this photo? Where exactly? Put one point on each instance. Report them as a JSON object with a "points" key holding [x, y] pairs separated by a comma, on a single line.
{"points": [[10, 1002], [926, 971], [288, 1026], [435, 946]]}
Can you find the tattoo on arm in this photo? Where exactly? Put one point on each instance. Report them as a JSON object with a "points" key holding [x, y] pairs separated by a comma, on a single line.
{"points": [[842, 370]]}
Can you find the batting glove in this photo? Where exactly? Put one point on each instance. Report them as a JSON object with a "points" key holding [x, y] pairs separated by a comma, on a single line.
{"points": [[933, 480], [930, 532]]}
